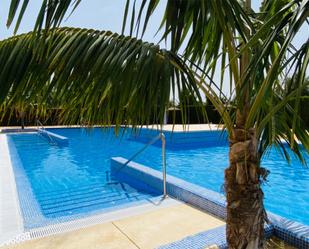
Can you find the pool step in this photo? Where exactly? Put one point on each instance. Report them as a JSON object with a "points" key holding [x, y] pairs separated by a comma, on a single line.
{"points": [[91, 204], [89, 197], [79, 199], [90, 193], [74, 189], [74, 192]]}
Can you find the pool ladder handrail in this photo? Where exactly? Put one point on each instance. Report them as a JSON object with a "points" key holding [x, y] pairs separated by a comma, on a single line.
{"points": [[163, 140], [40, 126]]}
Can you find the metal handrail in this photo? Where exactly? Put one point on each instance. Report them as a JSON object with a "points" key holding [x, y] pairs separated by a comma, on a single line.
{"points": [[38, 123], [162, 137], [164, 163], [39, 126]]}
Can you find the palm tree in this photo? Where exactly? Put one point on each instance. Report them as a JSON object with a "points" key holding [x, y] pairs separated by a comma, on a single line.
{"points": [[105, 77]]}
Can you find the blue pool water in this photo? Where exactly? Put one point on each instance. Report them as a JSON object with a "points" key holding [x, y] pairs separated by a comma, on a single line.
{"points": [[74, 179]]}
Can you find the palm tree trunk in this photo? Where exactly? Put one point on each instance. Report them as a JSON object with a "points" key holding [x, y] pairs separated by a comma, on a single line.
{"points": [[245, 209]]}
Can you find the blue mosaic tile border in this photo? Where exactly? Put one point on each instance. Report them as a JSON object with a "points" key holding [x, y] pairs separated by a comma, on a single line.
{"points": [[29, 207], [289, 231], [216, 236], [182, 190], [201, 240]]}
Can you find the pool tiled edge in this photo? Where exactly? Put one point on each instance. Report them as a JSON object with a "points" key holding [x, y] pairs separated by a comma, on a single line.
{"points": [[214, 237], [181, 140], [292, 232], [182, 190]]}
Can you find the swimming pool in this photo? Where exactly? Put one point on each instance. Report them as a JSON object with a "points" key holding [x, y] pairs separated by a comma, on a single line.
{"points": [[74, 180]]}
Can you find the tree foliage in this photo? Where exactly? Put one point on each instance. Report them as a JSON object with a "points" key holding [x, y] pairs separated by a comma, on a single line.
{"points": [[94, 76]]}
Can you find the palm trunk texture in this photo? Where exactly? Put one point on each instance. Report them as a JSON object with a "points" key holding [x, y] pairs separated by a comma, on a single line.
{"points": [[245, 208]]}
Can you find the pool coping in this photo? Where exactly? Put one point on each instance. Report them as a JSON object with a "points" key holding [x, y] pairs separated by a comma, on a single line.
{"points": [[11, 222], [177, 128], [292, 232]]}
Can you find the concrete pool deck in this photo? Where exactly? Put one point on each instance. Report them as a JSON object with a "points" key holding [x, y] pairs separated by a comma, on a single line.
{"points": [[10, 217], [147, 230]]}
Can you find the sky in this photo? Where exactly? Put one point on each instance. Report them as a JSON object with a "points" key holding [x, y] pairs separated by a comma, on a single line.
{"points": [[101, 15], [95, 14], [105, 15]]}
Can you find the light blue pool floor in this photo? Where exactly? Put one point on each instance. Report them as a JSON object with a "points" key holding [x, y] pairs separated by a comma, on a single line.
{"points": [[75, 179]]}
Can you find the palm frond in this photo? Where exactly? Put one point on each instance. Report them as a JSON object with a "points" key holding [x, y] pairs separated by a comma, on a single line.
{"points": [[93, 76], [50, 15], [200, 28], [277, 113]]}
